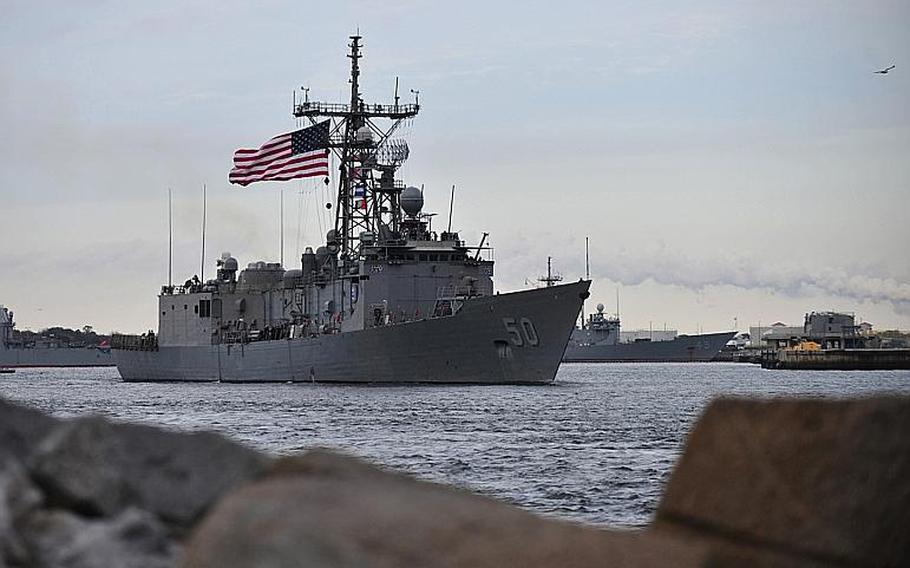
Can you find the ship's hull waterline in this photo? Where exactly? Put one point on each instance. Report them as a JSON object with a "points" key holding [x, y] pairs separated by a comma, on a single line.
{"points": [[55, 357], [514, 338], [682, 349]]}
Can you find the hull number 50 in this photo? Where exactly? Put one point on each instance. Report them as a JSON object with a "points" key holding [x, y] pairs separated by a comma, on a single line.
{"points": [[521, 332]]}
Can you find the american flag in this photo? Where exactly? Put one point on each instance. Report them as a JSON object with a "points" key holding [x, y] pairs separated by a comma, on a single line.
{"points": [[298, 154]]}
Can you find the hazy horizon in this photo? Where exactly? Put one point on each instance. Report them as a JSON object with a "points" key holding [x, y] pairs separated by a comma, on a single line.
{"points": [[726, 160]]}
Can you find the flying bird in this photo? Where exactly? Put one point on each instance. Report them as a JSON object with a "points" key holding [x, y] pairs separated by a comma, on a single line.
{"points": [[885, 70]]}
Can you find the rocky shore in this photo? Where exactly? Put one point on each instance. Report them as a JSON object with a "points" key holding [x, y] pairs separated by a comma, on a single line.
{"points": [[760, 483]]}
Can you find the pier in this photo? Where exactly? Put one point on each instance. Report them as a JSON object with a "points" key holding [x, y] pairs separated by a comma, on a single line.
{"points": [[837, 359]]}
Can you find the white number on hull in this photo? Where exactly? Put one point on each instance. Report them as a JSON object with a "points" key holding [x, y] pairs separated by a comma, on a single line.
{"points": [[521, 332]]}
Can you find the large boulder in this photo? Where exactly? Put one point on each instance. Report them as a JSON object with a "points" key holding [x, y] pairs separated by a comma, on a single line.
{"points": [[18, 498], [324, 509], [21, 429], [796, 482], [130, 539], [97, 467]]}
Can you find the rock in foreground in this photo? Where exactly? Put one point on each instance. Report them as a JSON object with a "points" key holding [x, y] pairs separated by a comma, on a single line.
{"points": [[99, 467], [810, 482], [793, 483], [91, 493], [324, 509]]}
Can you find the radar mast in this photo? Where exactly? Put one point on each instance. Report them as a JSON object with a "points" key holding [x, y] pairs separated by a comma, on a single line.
{"points": [[360, 136]]}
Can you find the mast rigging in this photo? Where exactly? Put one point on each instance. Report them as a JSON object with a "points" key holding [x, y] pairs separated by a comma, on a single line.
{"points": [[367, 196]]}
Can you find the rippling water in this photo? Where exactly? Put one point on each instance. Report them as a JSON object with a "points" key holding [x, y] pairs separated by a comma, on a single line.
{"points": [[596, 446]]}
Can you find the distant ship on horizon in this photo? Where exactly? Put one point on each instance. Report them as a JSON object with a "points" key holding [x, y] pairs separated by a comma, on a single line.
{"points": [[600, 340], [15, 353]]}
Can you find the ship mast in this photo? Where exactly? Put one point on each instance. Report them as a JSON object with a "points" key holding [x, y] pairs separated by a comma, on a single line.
{"points": [[367, 190], [551, 279], [587, 277], [352, 122]]}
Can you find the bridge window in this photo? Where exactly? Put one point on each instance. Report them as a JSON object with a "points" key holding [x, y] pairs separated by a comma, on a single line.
{"points": [[204, 309]]}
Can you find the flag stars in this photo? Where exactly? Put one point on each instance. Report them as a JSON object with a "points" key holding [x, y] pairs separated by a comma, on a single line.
{"points": [[309, 139]]}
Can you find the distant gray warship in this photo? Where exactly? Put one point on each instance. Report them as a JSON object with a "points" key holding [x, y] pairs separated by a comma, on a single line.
{"points": [[600, 341], [385, 299], [15, 354]]}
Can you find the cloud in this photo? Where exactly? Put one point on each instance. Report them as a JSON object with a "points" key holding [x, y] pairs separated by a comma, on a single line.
{"points": [[673, 267], [670, 265], [99, 262]]}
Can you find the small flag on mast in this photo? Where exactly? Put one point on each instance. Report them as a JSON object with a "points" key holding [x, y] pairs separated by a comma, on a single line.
{"points": [[298, 154], [360, 193]]}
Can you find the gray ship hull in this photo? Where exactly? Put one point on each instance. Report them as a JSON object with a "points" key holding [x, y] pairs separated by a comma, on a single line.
{"points": [[683, 349], [486, 342], [55, 357]]}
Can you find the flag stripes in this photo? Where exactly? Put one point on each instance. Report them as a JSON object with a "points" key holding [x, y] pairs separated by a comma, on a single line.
{"points": [[298, 154]]}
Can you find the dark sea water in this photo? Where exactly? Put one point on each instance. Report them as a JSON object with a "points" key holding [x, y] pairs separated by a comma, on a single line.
{"points": [[595, 446]]}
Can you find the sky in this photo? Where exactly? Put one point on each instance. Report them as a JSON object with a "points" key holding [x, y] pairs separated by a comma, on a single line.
{"points": [[732, 163]]}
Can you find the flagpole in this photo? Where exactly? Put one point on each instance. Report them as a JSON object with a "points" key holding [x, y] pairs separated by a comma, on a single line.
{"points": [[170, 239], [281, 224], [451, 205], [202, 262], [587, 277]]}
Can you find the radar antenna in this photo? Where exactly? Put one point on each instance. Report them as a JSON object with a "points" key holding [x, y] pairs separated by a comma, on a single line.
{"points": [[393, 152]]}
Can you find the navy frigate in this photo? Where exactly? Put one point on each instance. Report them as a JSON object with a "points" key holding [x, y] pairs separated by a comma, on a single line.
{"points": [[384, 299], [17, 353]]}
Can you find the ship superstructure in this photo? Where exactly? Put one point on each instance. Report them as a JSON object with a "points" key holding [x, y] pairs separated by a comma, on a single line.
{"points": [[384, 299]]}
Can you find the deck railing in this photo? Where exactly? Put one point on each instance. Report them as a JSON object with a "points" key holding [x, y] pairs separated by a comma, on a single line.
{"points": [[340, 109], [144, 342]]}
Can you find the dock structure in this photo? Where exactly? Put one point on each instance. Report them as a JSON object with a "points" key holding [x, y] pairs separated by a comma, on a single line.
{"points": [[837, 359]]}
